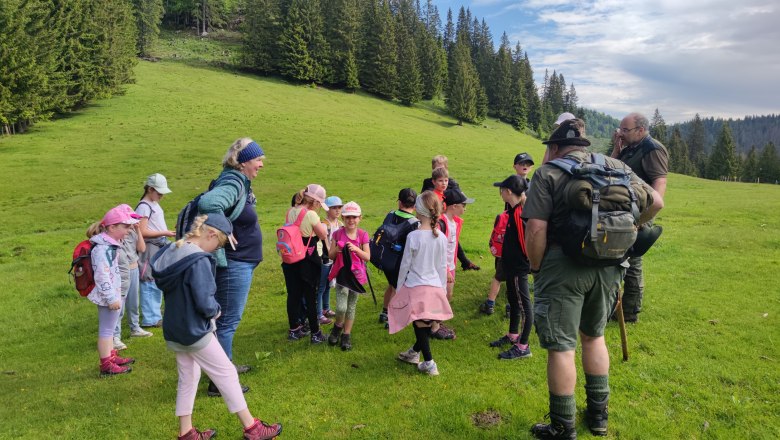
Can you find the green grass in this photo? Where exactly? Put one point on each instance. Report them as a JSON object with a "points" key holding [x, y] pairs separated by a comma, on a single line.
{"points": [[704, 359]]}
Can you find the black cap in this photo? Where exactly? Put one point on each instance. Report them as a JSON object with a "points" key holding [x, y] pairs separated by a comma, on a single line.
{"points": [[513, 183], [570, 132], [453, 196], [523, 157], [407, 197]]}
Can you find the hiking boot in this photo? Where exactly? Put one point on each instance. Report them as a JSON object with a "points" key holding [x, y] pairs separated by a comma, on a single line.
{"points": [[241, 369], [325, 321], [118, 344], [109, 368], [317, 338], [443, 333], [596, 415], [194, 434], [262, 431], [213, 391], [556, 429], [515, 352], [503, 340], [487, 308], [335, 333], [382, 317], [409, 356], [428, 367], [140, 333], [120, 360], [346, 342], [297, 333]]}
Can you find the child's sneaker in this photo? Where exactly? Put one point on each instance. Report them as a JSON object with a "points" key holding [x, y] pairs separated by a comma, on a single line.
{"points": [[317, 338], [382, 317], [194, 434], [329, 313], [262, 431], [487, 308], [325, 320], [515, 353], [443, 333], [297, 333], [409, 356], [428, 367], [140, 333], [120, 360], [109, 368], [118, 344], [503, 340]]}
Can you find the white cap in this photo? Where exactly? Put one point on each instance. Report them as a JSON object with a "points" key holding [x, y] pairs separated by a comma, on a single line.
{"points": [[564, 117], [350, 209]]}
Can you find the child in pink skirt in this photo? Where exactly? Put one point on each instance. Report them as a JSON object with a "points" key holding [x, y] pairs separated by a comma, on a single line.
{"points": [[421, 297], [185, 272]]}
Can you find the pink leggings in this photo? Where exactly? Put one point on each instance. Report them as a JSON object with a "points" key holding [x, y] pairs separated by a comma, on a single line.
{"points": [[219, 369]]}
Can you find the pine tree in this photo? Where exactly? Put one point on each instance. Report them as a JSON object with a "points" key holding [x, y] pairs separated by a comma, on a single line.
{"points": [[148, 14], [502, 98], [750, 167], [379, 57], [571, 100], [464, 89], [341, 26], [295, 61], [517, 92], [679, 162], [658, 127], [449, 33], [409, 81], [696, 141], [769, 165], [261, 28], [722, 163]]}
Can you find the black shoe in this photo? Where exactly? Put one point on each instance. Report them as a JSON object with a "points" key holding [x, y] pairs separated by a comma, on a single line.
{"points": [[556, 429], [515, 352], [346, 342], [486, 308], [503, 340], [335, 333], [382, 317], [241, 369], [317, 338], [213, 391], [596, 415], [296, 334]]}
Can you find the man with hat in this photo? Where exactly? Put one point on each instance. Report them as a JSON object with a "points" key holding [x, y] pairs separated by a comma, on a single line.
{"points": [[649, 159], [570, 299]]}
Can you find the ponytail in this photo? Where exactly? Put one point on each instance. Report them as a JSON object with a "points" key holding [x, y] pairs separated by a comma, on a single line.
{"points": [[95, 229], [299, 197], [432, 203]]}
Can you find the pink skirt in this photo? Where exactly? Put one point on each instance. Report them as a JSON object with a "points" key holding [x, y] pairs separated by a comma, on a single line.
{"points": [[414, 303]]}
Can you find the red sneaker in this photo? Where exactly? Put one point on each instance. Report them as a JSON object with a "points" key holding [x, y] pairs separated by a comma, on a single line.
{"points": [[120, 360], [262, 431], [109, 368], [194, 434]]}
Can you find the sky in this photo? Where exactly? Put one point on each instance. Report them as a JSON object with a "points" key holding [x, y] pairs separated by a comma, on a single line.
{"points": [[718, 58]]}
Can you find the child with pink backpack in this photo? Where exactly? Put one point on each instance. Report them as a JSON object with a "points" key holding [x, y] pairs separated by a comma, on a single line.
{"points": [[349, 250]]}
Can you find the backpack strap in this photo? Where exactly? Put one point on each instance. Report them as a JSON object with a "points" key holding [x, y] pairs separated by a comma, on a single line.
{"points": [[299, 219], [151, 211], [243, 194]]}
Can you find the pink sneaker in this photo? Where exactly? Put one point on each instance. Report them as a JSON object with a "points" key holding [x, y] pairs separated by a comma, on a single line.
{"points": [[109, 368], [120, 360], [262, 431], [325, 321], [194, 434]]}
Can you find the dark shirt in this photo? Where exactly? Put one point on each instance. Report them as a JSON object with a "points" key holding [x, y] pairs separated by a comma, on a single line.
{"points": [[512, 256], [246, 230]]}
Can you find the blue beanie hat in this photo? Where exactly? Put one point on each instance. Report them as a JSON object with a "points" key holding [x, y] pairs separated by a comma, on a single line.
{"points": [[251, 151]]}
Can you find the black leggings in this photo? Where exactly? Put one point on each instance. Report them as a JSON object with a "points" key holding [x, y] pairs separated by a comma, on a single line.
{"points": [[519, 305], [300, 286], [423, 342]]}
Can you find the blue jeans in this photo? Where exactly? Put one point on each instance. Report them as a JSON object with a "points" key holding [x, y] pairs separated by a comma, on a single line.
{"points": [[323, 293], [233, 283], [151, 301]]}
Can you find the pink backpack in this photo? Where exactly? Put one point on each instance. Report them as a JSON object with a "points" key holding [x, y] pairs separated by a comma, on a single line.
{"points": [[289, 242]]}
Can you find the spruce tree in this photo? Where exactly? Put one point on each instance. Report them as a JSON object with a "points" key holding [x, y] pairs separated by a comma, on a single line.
{"points": [[261, 28], [518, 103], [769, 164], [501, 100], [409, 81], [341, 26], [658, 127], [750, 166], [148, 14], [378, 67], [464, 89], [294, 60], [696, 141], [679, 162], [722, 163]]}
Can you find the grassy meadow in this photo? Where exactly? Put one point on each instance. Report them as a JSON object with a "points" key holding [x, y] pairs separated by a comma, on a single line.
{"points": [[705, 360]]}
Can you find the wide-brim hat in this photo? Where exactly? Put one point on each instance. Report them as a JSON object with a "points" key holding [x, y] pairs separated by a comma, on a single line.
{"points": [[570, 132]]}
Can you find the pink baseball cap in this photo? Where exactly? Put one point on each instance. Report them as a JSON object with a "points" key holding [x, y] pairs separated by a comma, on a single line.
{"points": [[316, 192], [351, 209], [120, 214]]}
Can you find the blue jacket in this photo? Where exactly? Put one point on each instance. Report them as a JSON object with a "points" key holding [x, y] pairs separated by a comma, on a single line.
{"points": [[186, 277]]}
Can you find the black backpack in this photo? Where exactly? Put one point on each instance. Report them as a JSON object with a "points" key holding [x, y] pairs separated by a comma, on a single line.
{"points": [[387, 245], [602, 224], [190, 211]]}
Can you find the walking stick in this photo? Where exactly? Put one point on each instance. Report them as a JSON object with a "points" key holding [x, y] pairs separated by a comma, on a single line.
{"points": [[622, 324]]}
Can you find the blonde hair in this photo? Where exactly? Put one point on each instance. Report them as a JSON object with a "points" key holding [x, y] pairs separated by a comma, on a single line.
{"points": [[199, 228], [301, 198], [433, 204], [231, 157], [440, 172], [439, 161], [95, 229]]}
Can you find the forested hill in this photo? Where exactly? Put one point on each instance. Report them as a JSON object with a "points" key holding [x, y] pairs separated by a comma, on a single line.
{"points": [[598, 124], [753, 131]]}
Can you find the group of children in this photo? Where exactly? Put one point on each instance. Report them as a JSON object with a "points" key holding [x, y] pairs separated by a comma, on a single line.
{"points": [[131, 246]]}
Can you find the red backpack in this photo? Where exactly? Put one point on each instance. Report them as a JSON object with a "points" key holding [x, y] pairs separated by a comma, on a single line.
{"points": [[81, 268], [497, 236], [289, 242]]}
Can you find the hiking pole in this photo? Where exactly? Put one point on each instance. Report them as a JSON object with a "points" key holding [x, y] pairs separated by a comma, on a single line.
{"points": [[622, 324], [370, 286]]}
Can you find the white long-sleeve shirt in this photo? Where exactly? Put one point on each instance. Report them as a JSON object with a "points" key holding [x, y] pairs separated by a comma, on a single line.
{"points": [[424, 262]]}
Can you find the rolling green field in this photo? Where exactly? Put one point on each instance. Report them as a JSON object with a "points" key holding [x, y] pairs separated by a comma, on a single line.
{"points": [[705, 361]]}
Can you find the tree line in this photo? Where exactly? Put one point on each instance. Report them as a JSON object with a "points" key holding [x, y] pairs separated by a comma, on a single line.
{"points": [[58, 55], [696, 149]]}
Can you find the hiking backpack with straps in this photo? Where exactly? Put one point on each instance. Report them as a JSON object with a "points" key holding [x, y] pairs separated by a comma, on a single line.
{"points": [[289, 240], [387, 244], [603, 212], [496, 241], [187, 214], [81, 268]]}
